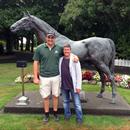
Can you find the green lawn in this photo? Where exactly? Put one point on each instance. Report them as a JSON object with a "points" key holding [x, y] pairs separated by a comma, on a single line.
{"points": [[34, 122], [8, 73]]}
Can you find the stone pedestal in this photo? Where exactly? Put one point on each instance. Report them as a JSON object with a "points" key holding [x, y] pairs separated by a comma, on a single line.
{"points": [[90, 104]]}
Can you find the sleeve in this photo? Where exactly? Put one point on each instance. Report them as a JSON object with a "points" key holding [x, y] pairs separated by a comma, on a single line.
{"points": [[36, 56], [78, 75]]}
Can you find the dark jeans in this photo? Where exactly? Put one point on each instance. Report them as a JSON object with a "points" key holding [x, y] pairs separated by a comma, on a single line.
{"points": [[77, 104]]}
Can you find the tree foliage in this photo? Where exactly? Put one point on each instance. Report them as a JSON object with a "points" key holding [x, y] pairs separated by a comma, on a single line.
{"points": [[77, 19], [12, 10], [48, 10]]}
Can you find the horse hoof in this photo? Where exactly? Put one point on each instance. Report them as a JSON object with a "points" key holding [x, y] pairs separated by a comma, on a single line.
{"points": [[113, 101], [99, 95]]}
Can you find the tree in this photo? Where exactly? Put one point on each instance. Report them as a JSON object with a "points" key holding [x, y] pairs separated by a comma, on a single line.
{"points": [[105, 18], [12, 10]]}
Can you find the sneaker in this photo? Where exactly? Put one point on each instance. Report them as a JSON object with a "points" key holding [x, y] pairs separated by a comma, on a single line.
{"points": [[46, 119], [66, 118], [79, 122], [56, 117]]}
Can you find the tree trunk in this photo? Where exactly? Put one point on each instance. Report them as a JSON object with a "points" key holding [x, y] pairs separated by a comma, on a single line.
{"points": [[1, 49]]}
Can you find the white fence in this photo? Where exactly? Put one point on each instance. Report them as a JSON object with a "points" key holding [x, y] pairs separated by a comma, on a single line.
{"points": [[122, 62]]}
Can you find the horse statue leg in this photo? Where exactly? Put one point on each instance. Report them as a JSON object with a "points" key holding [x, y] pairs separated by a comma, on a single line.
{"points": [[113, 88], [103, 83], [111, 66], [105, 69]]}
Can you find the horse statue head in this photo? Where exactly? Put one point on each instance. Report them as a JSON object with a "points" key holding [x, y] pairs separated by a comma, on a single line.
{"points": [[31, 23], [23, 24], [37, 26]]}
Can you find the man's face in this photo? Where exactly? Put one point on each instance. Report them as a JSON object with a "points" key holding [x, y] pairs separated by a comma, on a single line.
{"points": [[67, 51], [50, 39]]}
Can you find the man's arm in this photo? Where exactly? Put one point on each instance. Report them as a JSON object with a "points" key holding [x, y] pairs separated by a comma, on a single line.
{"points": [[36, 72]]}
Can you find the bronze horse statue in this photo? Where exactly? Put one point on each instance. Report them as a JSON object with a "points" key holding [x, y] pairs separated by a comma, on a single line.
{"points": [[98, 51]]}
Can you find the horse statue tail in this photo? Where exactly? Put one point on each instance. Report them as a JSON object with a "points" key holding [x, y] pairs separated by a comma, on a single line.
{"points": [[111, 64]]}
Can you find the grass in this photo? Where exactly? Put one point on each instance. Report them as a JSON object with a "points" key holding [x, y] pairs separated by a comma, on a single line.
{"points": [[125, 93], [34, 121], [9, 71]]}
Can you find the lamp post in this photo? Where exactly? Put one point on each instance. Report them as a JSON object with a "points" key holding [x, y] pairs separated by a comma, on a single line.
{"points": [[23, 100]]}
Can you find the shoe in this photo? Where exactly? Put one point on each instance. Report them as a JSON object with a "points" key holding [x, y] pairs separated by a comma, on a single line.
{"points": [[66, 118], [46, 119], [56, 117], [79, 122]]}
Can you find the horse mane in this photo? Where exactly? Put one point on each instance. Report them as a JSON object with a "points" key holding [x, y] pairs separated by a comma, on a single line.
{"points": [[47, 27], [41, 23]]}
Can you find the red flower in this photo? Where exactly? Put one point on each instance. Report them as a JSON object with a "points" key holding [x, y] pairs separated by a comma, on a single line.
{"points": [[87, 75], [118, 78]]}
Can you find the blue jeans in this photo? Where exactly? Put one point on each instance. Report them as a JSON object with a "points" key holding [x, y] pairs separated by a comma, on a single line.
{"points": [[77, 104]]}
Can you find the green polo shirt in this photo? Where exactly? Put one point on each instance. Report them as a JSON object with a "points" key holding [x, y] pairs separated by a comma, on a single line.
{"points": [[48, 59]]}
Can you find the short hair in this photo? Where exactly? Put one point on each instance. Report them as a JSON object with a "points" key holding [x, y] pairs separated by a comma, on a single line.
{"points": [[67, 45]]}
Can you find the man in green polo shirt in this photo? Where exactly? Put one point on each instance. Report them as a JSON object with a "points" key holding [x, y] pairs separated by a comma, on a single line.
{"points": [[46, 72]]}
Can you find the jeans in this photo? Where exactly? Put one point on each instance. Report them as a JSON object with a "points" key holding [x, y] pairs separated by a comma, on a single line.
{"points": [[76, 101]]}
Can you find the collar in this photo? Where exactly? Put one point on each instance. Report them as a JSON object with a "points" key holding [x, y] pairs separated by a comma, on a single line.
{"points": [[45, 45]]}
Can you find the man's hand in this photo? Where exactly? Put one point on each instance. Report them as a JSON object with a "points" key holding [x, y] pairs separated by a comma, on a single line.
{"points": [[36, 72], [36, 81], [78, 90], [75, 58]]}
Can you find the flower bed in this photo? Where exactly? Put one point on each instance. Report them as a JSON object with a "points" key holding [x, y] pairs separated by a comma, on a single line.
{"points": [[28, 78], [93, 77]]}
